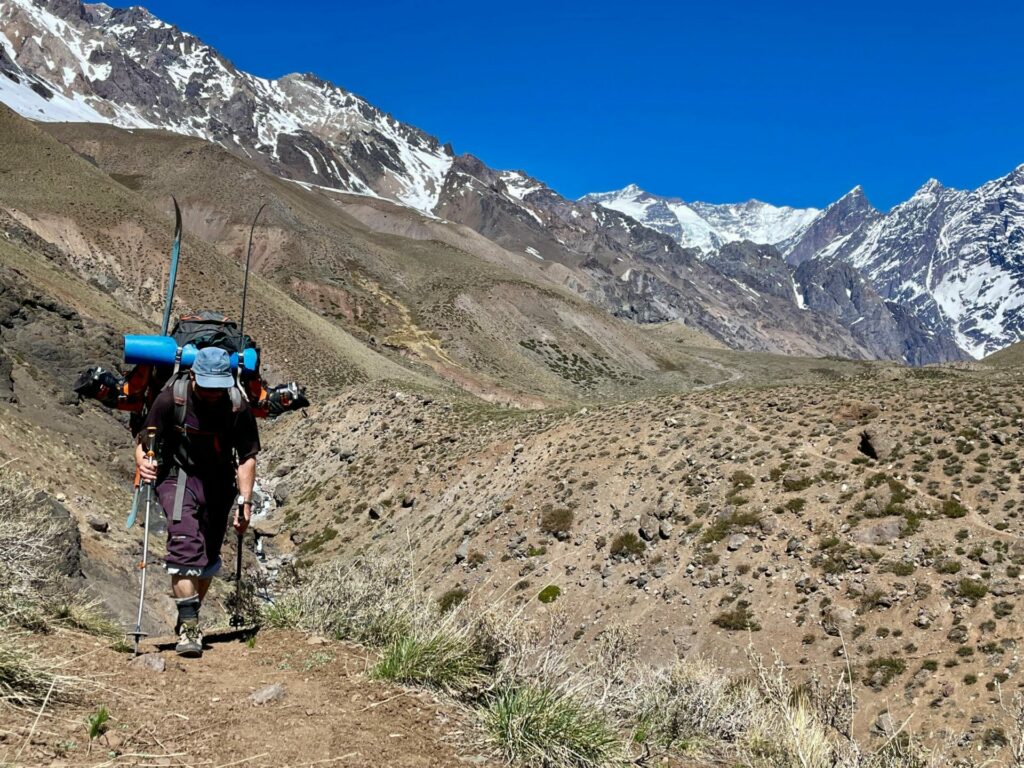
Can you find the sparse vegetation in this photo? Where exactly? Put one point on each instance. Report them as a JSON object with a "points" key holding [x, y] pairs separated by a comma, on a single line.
{"points": [[443, 657], [549, 594], [556, 521], [536, 727], [972, 589], [452, 598], [96, 724], [739, 618], [626, 545]]}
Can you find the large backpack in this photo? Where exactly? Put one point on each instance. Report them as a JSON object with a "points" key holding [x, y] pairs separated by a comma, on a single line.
{"points": [[210, 329], [136, 390], [201, 329]]}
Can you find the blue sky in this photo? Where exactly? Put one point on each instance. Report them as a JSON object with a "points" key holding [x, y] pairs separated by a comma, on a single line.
{"points": [[793, 103]]}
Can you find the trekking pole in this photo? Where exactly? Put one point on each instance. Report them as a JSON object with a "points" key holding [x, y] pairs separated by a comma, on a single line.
{"points": [[248, 256], [148, 442], [237, 619]]}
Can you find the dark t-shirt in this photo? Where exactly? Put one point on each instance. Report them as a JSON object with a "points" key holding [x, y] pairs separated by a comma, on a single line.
{"points": [[214, 438]]}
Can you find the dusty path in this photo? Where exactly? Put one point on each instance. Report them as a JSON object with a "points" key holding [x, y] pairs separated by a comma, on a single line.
{"points": [[198, 712]]}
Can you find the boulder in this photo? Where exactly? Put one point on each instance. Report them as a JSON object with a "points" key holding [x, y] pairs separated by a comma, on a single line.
{"points": [[267, 695], [735, 541], [648, 527], [838, 619], [153, 662], [884, 531], [876, 442], [282, 493]]}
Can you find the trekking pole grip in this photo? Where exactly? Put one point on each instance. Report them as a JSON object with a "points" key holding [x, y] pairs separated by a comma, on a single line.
{"points": [[149, 443]]}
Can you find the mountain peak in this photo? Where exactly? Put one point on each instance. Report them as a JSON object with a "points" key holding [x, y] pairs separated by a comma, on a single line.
{"points": [[630, 191], [855, 199]]}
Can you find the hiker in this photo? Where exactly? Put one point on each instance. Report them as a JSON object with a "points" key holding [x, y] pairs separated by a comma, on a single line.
{"points": [[207, 443]]}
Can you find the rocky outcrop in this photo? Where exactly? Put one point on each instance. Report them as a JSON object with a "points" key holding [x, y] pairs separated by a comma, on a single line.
{"points": [[840, 220]]}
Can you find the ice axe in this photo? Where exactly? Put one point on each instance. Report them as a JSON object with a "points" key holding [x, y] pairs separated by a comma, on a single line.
{"points": [[148, 446]]}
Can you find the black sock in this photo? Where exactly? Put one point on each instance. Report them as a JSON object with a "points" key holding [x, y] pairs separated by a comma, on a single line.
{"points": [[188, 610]]}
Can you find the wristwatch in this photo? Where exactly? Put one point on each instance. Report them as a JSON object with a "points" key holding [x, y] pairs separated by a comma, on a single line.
{"points": [[241, 500]]}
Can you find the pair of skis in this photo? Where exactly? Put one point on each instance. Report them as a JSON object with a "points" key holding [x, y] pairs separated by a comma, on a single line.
{"points": [[150, 437]]}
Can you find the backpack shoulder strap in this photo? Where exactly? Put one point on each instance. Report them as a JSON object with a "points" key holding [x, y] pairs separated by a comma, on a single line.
{"points": [[180, 392]]}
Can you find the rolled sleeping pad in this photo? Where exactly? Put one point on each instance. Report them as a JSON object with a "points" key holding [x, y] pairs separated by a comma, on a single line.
{"points": [[161, 350]]}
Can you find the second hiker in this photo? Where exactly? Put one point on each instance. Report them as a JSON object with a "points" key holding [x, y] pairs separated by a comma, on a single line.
{"points": [[207, 443]]}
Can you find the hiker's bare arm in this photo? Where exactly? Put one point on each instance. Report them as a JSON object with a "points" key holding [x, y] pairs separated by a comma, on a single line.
{"points": [[246, 481], [146, 467]]}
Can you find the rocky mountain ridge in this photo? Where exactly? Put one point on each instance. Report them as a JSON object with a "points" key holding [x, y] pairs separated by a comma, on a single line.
{"points": [[954, 258], [628, 252], [71, 61]]}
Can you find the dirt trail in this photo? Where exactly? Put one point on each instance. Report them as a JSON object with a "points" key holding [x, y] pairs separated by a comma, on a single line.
{"points": [[199, 712]]}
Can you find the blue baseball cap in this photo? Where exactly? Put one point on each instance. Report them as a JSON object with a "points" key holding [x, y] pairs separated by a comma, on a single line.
{"points": [[212, 368]]}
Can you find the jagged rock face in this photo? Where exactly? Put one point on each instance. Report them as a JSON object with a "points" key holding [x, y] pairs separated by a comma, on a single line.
{"points": [[954, 259], [704, 226], [759, 266], [841, 219], [127, 67], [891, 332]]}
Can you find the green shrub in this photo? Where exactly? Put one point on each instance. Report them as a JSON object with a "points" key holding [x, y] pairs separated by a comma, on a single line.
{"points": [[722, 526], [741, 479], [795, 505], [451, 598], [534, 726], [800, 483], [897, 567], [884, 670], [972, 589], [440, 658], [549, 594], [1002, 609], [953, 509], [97, 723], [626, 545], [738, 619], [556, 521]]}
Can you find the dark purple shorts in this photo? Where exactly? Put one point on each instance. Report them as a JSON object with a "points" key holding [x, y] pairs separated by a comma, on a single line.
{"points": [[194, 542]]}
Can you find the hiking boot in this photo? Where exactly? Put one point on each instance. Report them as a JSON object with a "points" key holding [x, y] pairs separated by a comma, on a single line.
{"points": [[190, 640]]}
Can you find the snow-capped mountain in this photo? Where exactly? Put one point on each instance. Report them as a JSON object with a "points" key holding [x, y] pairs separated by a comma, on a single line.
{"points": [[704, 225], [946, 265], [956, 257], [65, 61]]}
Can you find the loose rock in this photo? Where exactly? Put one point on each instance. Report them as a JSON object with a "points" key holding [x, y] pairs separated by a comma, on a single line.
{"points": [[267, 695]]}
